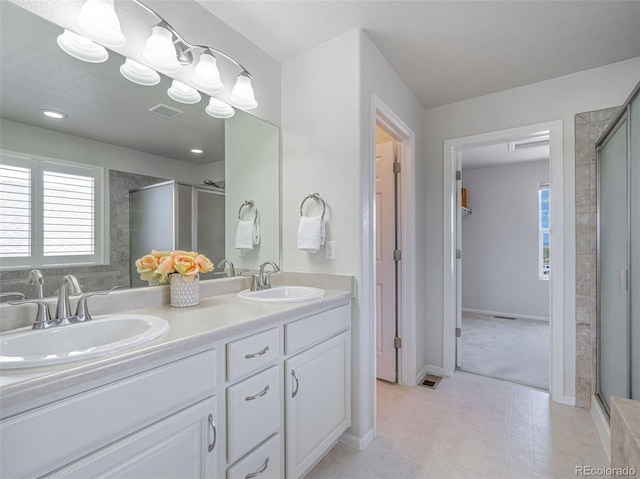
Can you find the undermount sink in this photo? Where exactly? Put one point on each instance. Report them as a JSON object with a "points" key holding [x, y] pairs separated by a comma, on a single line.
{"points": [[102, 335], [284, 294]]}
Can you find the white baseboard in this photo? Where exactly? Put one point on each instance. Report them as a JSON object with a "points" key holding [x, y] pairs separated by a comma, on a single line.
{"points": [[510, 315], [436, 370], [355, 442], [602, 425], [423, 372]]}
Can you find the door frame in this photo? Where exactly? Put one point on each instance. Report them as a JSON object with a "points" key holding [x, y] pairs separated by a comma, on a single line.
{"points": [[556, 319], [382, 115]]}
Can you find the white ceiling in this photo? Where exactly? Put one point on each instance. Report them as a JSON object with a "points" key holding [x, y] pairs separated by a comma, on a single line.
{"points": [[447, 51]]}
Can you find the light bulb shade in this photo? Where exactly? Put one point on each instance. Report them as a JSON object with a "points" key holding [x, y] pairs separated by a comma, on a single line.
{"points": [[159, 52], [82, 48], [242, 95], [219, 109], [98, 21], [138, 73], [206, 75], [183, 93]]}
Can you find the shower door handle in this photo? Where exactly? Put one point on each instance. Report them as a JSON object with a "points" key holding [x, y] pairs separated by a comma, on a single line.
{"points": [[624, 280]]}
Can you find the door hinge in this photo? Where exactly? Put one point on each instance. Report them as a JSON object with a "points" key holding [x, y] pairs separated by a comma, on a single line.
{"points": [[458, 332], [397, 255], [458, 253], [397, 343], [458, 175], [396, 167]]}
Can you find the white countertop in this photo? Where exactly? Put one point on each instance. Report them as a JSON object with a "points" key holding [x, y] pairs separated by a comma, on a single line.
{"points": [[215, 318]]}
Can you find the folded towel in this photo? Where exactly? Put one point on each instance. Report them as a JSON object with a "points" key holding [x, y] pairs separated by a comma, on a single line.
{"points": [[310, 233], [247, 234]]}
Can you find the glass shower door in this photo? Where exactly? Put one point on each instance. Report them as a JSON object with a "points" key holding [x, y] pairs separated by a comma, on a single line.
{"points": [[613, 266]]}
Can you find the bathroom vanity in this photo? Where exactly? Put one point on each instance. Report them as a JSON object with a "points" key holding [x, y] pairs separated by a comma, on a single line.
{"points": [[234, 389]]}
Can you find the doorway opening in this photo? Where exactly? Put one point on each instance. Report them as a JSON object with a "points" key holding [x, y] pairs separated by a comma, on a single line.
{"points": [[559, 365], [502, 266]]}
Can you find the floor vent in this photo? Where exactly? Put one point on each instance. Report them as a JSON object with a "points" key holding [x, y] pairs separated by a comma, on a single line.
{"points": [[505, 317], [430, 381]]}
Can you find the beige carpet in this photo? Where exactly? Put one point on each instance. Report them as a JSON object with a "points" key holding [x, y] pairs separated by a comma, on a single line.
{"points": [[511, 350]]}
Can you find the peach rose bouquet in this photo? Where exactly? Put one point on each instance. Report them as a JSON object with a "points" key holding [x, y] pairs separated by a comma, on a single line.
{"points": [[158, 265]]}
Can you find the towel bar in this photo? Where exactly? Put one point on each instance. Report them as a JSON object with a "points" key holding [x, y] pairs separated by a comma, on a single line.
{"points": [[250, 204], [317, 197]]}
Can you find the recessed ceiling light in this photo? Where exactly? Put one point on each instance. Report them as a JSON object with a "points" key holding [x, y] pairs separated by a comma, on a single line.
{"points": [[54, 114], [197, 151]]}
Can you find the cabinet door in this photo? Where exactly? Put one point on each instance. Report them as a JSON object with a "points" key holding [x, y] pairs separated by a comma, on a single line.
{"points": [[182, 445], [318, 402]]}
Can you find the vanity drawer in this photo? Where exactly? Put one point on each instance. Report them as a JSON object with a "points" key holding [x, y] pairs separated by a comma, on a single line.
{"points": [[253, 412], [263, 463], [253, 353], [306, 332]]}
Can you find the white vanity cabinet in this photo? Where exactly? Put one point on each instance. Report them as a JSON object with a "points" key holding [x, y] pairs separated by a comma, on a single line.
{"points": [[126, 428], [317, 388]]}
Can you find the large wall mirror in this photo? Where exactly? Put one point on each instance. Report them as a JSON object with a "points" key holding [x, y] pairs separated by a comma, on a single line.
{"points": [[142, 139]]}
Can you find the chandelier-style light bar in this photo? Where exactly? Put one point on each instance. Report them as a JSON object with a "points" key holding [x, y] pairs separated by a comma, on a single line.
{"points": [[165, 51]]}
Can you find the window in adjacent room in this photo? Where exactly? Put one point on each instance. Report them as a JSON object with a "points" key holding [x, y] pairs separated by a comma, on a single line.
{"points": [[50, 213], [543, 231]]}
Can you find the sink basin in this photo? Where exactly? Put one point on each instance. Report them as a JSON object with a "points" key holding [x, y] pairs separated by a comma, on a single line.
{"points": [[102, 335], [284, 294]]}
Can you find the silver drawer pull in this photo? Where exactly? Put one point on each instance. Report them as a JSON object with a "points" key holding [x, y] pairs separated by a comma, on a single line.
{"points": [[259, 471], [259, 395], [295, 376], [259, 353], [215, 433]]}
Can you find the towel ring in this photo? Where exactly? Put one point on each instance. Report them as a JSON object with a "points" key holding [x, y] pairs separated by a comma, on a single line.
{"points": [[317, 197], [250, 204]]}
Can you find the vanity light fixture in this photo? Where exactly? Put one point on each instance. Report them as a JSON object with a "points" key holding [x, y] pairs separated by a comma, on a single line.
{"points": [[183, 93], [58, 115], [98, 21], [206, 75], [219, 109], [242, 94], [139, 73], [159, 52], [82, 48]]}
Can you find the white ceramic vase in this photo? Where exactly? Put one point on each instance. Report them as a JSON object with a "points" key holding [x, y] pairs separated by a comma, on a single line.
{"points": [[184, 293]]}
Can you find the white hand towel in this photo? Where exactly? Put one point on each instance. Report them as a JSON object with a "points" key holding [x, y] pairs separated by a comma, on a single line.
{"points": [[245, 235], [310, 233]]}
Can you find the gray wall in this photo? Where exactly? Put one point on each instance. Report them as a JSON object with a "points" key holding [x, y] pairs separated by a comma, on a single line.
{"points": [[500, 240]]}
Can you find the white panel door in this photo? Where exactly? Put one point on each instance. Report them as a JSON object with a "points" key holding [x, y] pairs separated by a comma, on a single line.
{"points": [[318, 402], [385, 264], [183, 445]]}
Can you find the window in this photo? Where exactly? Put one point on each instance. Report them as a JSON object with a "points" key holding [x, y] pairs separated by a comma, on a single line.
{"points": [[543, 231], [50, 213]]}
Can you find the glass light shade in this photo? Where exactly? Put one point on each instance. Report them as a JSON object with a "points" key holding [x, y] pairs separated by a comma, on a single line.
{"points": [[82, 48], [242, 95], [139, 73], [183, 93], [206, 75], [219, 109], [159, 52], [98, 21]]}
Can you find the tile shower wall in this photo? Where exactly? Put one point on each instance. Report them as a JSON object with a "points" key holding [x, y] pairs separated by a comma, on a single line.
{"points": [[94, 278], [589, 127]]}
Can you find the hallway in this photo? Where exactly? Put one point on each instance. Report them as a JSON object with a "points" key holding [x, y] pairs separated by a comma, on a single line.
{"points": [[469, 427]]}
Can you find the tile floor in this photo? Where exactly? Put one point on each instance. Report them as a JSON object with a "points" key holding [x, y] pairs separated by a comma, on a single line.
{"points": [[469, 427]]}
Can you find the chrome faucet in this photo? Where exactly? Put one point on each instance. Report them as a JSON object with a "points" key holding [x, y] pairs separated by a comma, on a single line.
{"points": [[264, 279], [63, 310], [232, 270], [35, 278]]}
